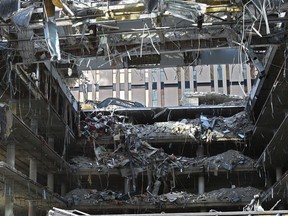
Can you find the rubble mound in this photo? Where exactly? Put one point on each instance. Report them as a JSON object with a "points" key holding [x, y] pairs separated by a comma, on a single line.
{"points": [[160, 162], [233, 195], [92, 196], [203, 128], [228, 160]]}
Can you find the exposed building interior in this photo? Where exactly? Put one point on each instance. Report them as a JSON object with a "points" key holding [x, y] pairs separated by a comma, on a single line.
{"points": [[143, 107]]}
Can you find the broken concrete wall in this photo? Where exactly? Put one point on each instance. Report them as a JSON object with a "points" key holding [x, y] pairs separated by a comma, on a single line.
{"points": [[210, 98]]}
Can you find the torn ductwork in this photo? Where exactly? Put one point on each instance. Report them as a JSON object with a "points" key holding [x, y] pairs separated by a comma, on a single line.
{"points": [[23, 16], [52, 39], [191, 11], [50, 29], [8, 8]]}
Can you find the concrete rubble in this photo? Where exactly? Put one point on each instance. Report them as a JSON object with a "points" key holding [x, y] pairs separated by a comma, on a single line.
{"points": [[92, 197], [203, 128], [134, 154], [160, 162]]}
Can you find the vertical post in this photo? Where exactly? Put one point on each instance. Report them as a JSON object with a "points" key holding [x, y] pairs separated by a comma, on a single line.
{"points": [[126, 84], [51, 142], [9, 200], [50, 181], [179, 79], [201, 178], [158, 84], [34, 124], [129, 84], [214, 78], [10, 159], [148, 83], [225, 77], [278, 173], [32, 176], [63, 189], [37, 75], [97, 96], [127, 185], [50, 176], [201, 184], [117, 76], [162, 82], [31, 208], [9, 203], [33, 170]]}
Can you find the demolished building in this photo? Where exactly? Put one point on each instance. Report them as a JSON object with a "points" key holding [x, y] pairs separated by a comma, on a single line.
{"points": [[152, 145]]}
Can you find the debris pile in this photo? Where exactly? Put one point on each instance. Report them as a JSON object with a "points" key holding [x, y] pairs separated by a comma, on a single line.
{"points": [[228, 160], [133, 154], [230, 195], [203, 128], [97, 125], [161, 163], [199, 129], [90, 196]]}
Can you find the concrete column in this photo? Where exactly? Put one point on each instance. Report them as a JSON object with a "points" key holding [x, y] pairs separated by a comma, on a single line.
{"points": [[33, 170], [149, 178], [201, 184], [201, 178], [51, 142], [34, 124], [63, 189], [8, 199], [9, 203], [200, 151], [32, 176], [50, 181], [13, 106], [31, 208], [278, 173], [10, 158], [127, 185]]}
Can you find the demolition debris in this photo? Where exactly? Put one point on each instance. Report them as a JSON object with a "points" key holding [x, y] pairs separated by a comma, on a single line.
{"points": [[182, 199], [200, 129]]}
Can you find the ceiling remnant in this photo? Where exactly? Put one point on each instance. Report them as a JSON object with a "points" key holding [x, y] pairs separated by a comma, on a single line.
{"points": [[136, 33]]}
